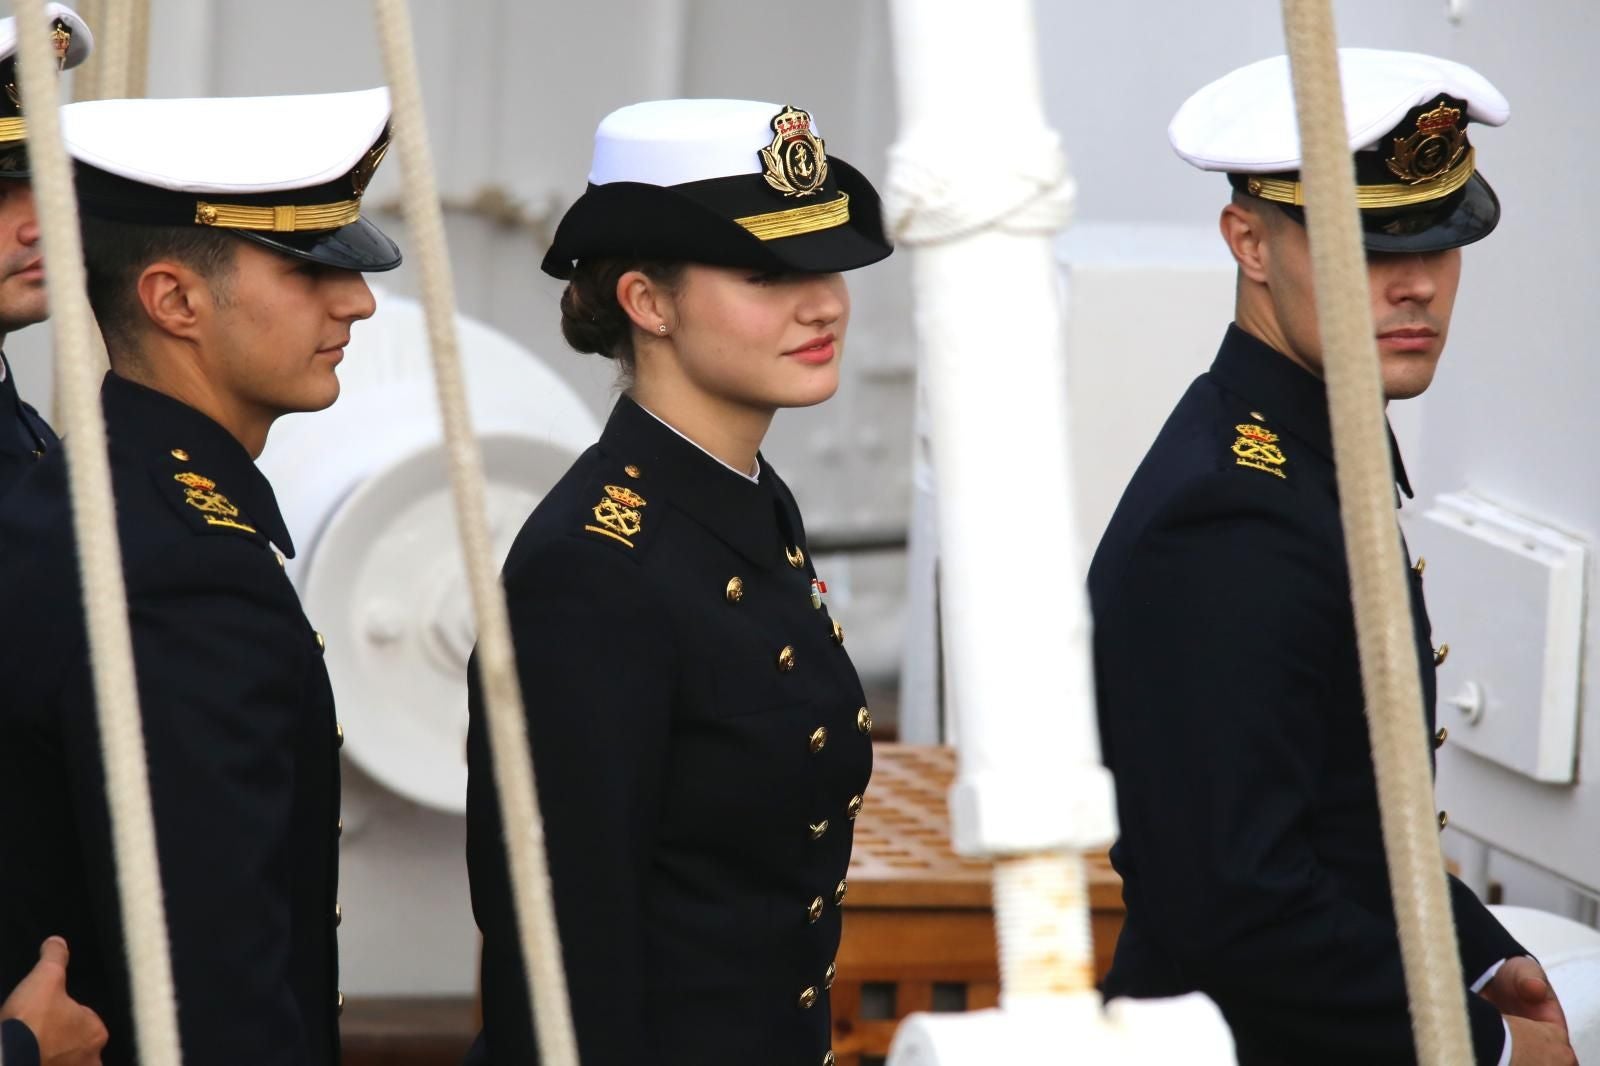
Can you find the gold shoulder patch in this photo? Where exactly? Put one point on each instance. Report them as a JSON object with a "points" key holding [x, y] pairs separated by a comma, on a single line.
{"points": [[1257, 447], [617, 515], [200, 493]]}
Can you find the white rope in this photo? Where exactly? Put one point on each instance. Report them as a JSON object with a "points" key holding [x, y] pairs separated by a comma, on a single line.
{"points": [[513, 771], [1366, 491], [105, 602], [934, 195]]}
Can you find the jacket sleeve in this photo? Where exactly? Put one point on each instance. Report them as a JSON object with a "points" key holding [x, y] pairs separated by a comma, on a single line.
{"points": [[222, 654], [1211, 655], [17, 1046], [598, 668], [1482, 940]]}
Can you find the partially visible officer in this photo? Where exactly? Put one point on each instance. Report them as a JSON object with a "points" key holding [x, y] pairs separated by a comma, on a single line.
{"points": [[1251, 850], [40, 1025], [225, 249], [702, 741], [24, 436]]}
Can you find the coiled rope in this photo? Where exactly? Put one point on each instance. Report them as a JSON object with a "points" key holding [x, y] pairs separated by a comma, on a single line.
{"points": [[513, 771], [105, 602], [1384, 632]]}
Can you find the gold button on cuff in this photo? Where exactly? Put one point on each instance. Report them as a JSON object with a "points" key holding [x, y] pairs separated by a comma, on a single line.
{"points": [[864, 721], [338, 734], [632, 471], [1440, 654], [839, 892], [808, 999], [1440, 737], [338, 915], [819, 738], [838, 633], [853, 808], [180, 455], [735, 590], [819, 830], [1421, 565], [1444, 820], [786, 659], [338, 1003], [827, 978], [814, 912]]}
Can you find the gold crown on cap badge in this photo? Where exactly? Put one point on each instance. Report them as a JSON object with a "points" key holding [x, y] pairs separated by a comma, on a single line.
{"points": [[796, 162], [1436, 146]]}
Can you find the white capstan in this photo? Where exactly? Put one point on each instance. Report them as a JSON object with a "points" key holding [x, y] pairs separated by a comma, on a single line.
{"points": [[78, 48], [670, 142], [237, 145], [1244, 122]]}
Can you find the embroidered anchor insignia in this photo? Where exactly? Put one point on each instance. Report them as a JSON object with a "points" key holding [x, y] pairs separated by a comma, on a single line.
{"points": [[200, 493], [618, 515]]}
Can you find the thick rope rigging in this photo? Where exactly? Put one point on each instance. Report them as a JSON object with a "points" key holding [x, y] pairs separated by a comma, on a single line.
{"points": [[513, 771], [105, 602], [1372, 543]]}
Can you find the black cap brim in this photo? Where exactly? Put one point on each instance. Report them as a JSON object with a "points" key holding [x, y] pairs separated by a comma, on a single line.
{"points": [[694, 223], [359, 246], [1467, 215]]}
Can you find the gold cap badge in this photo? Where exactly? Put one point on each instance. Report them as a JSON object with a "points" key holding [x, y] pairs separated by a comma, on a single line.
{"points": [[1437, 145], [796, 162]]}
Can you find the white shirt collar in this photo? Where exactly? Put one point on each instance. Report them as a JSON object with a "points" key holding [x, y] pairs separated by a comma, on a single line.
{"points": [[754, 479]]}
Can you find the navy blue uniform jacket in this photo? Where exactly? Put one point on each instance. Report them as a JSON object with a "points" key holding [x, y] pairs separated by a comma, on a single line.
{"points": [[17, 1046], [1232, 717], [702, 747], [239, 733], [24, 436]]}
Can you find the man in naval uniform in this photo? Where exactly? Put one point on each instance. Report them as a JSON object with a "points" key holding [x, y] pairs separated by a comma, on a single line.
{"points": [[225, 270], [1250, 846], [24, 436]]}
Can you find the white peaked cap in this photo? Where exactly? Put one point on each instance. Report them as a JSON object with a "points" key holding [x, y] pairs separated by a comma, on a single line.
{"points": [[1244, 122], [671, 142], [78, 48], [227, 145]]}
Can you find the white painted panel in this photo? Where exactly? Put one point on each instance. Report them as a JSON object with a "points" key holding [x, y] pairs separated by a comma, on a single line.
{"points": [[1512, 591]]}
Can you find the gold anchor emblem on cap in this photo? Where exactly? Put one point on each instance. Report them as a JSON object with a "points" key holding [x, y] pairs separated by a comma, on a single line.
{"points": [[796, 162]]}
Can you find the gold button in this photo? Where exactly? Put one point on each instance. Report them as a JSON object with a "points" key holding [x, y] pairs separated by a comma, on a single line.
{"points": [[338, 827], [338, 915], [1440, 737], [796, 557], [864, 721], [322, 642], [827, 978], [735, 589], [1421, 565], [828, 1059], [808, 999], [1440, 654], [786, 658], [839, 891], [1444, 820], [338, 734], [819, 830], [838, 633], [853, 808], [631, 470], [1258, 416], [819, 738], [180, 455], [279, 557], [814, 912], [338, 1004]]}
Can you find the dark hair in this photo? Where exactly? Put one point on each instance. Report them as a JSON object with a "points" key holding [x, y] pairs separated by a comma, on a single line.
{"points": [[591, 318], [114, 253]]}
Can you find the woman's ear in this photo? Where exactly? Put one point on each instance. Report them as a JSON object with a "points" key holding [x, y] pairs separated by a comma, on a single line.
{"points": [[646, 302]]}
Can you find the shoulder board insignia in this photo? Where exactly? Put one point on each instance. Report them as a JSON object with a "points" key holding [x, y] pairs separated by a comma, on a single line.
{"points": [[617, 515], [200, 493], [1257, 448]]}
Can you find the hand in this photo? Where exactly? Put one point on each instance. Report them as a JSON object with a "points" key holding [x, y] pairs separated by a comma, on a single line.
{"points": [[1539, 1043], [1521, 990], [68, 1033]]}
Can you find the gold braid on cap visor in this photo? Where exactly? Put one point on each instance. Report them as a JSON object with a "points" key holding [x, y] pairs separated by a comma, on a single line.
{"points": [[798, 220], [287, 218], [1374, 197], [12, 129]]}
